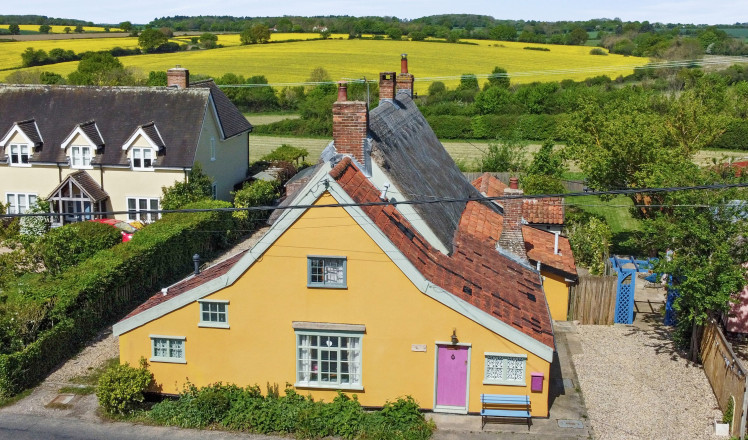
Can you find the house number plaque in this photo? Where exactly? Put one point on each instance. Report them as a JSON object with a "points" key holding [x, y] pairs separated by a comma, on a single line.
{"points": [[418, 347]]}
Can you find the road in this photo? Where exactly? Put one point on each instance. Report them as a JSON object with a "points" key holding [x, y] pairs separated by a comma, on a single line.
{"points": [[37, 427]]}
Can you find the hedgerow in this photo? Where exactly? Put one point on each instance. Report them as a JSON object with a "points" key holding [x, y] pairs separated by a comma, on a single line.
{"points": [[85, 298]]}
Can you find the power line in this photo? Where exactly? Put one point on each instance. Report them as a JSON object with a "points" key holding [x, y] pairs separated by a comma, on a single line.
{"points": [[395, 203]]}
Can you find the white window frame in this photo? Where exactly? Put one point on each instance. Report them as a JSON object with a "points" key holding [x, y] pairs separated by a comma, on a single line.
{"points": [[206, 304], [17, 151], [141, 152], [14, 202], [504, 358], [176, 340], [78, 156], [134, 214], [310, 262], [212, 149], [310, 360]]}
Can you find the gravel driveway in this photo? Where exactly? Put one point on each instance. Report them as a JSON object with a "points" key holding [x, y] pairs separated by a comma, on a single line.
{"points": [[636, 385]]}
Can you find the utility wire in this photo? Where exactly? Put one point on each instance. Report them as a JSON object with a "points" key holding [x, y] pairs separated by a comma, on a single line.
{"points": [[403, 202]]}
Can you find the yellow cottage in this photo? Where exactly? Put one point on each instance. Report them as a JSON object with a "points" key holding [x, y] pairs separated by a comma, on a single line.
{"points": [[345, 292]]}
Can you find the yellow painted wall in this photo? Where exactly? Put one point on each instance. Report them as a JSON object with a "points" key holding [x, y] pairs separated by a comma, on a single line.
{"points": [[557, 295], [232, 157], [260, 346]]}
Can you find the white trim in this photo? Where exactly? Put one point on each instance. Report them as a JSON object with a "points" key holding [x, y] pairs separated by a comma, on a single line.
{"points": [[78, 130], [13, 130], [169, 360], [213, 324], [215, 115], [139, 132], [328, 326], [449, 408], [359, 386], [311, 192]]}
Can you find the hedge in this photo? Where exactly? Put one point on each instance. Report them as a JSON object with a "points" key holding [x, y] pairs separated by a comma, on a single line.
{"points": [[100, 290], [530, 127], [735, 136]]}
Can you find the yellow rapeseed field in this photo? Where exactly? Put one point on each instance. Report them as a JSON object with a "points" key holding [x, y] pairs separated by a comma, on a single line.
{"points": [[343, 58], [57, 29], [10, 52]]}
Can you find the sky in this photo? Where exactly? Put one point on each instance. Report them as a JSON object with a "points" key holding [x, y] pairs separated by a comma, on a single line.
{"points": [[143, 11]]}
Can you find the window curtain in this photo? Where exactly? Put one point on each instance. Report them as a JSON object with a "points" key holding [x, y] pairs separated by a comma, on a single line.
{"points": [[305, 358], [354, 357]]}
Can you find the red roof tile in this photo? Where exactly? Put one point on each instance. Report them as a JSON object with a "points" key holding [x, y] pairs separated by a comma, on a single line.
{"points": [[546, 211], [485, 224], [475, 272], [188, 283]]}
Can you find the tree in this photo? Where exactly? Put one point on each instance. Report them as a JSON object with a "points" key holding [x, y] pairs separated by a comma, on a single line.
{"points": [[67, 29], [506, 155], [547, 162], [208, 40], [44, 29], [468, 81], [498, 78], [14, 29], [395, 33], [100, 69], [197, 187], [156, 78], [325, 34], [78, 29], [150, 39], [126, 26], [503, 32], [258, 33], [577, 37], [31, 57], [493, 100]]}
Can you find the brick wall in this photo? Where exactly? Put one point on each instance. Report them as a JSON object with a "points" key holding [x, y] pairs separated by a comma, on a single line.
{"points": [[350, 122]]}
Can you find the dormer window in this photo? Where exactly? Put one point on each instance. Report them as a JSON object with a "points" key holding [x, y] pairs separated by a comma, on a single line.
{"points": [[142, 158], [19, 154], [80, 156]]}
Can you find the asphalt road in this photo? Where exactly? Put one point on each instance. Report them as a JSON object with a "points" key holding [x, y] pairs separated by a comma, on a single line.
{"points": [[30, 427]]}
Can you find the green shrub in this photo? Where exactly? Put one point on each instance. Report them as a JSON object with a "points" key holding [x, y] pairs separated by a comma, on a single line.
{"points": [[597, 51], [120, 389], [257, 193], [68, 245], [735, 136], [197, 187], [451, 127], [590, 242]]}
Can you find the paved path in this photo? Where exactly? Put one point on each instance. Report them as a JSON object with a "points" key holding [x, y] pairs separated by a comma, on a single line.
{"points": [[36, 427]]}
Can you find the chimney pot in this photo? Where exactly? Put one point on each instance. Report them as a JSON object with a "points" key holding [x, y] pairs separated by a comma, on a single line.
{"points": [[342, 92], [404, 79], [513, 183], [404, 63]]}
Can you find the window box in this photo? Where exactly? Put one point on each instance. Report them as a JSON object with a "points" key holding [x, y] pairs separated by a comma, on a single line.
{"points": [[327, 272], [168, 349], [214, 313], [505, 369]]}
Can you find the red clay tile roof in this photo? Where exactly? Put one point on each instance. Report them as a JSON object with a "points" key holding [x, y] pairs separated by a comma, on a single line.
{"points": [[484, 224], [475, 272], [188, 283], [546, 211]]}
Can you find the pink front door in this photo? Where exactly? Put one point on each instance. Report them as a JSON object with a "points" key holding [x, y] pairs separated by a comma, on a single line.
{"points": [[451, 376]]}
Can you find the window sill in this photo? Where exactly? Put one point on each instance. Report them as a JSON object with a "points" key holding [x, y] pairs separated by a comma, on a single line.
{"points": [[21, 165], [168, 360], [327, 286], [213, 325], [511, 384], [81, 167], [329, 387], [142, 169]]}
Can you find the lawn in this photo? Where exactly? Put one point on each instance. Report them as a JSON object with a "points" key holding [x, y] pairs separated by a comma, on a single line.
{"points": [[617, 212], [429, 61]]}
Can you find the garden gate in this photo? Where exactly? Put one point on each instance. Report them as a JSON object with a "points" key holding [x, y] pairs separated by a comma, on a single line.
{"points": [[626, 268]]}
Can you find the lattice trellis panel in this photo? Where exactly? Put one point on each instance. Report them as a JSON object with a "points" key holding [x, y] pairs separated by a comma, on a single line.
{"points": [[625, 298]]}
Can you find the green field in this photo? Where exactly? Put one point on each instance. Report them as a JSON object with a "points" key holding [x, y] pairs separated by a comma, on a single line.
{"points": [[350, 59]]}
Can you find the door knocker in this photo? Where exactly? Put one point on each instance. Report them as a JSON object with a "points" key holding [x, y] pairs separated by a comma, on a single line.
{"points": [[453, 357]]}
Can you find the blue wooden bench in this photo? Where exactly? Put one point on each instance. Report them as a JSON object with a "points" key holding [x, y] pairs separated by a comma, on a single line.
{"points": [[504, 406]]}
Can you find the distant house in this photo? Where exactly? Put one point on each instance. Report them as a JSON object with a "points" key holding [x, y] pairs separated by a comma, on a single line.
{"points": [[87, 149], [346, 293]]}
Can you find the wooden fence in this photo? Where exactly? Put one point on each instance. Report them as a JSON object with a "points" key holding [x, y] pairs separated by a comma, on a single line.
{"points": [[726, 374], [593, 300]]}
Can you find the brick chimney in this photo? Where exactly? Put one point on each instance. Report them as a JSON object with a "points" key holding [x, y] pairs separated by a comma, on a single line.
{"points": [[350, 122], [178, 76], [404, 79], [387, 86], [511, 239]]}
